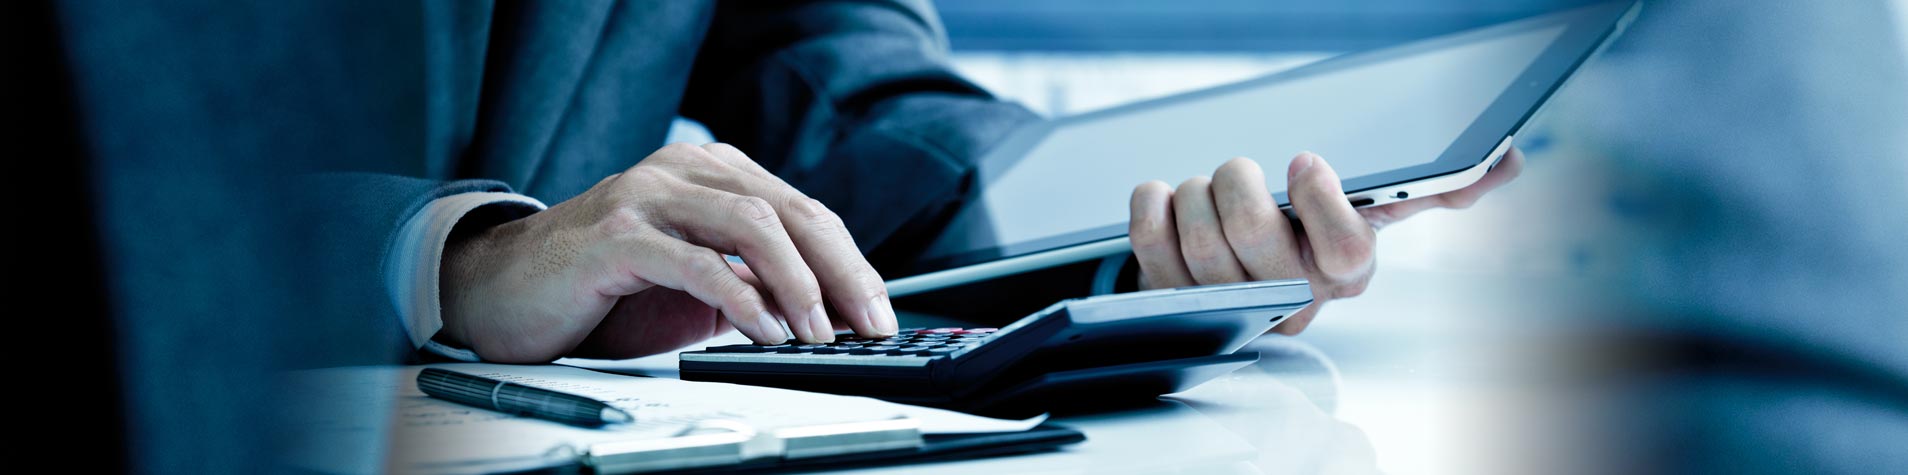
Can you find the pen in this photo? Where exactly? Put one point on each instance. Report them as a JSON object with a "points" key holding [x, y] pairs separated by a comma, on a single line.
{"points": [[518, 399]]}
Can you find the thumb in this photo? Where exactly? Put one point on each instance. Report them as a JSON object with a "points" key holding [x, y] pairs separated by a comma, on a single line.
{"points": [[1342, 241]]}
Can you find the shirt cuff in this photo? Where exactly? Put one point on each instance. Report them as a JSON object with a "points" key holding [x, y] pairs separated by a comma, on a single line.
{"points": [[419, 254]]}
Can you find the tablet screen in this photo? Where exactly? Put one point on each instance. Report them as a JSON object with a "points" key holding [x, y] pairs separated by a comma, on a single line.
{"points": [[1365, 119]]}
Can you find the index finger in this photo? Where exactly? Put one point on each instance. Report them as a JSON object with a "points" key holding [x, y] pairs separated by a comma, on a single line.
{"points": [[847, 280], [750, 227]]}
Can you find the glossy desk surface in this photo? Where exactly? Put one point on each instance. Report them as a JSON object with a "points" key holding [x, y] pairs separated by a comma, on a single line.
{"points": [[1402, 384]]}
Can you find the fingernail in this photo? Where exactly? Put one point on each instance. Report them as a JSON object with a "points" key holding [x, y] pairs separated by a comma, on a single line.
{"points": [[770, 328], [818, 320], [881, 315], [1299, 164]]}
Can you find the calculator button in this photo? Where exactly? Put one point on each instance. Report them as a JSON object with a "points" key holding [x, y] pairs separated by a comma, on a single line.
{"points": [[935, 331], [983, 330], [830, 350], [787, 349], [809, 348], [942, 351], [740, 349], [910, 350], [873, 350]]}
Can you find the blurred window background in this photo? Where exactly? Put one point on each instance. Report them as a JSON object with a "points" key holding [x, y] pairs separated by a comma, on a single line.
{"points": [[1064, 57]]}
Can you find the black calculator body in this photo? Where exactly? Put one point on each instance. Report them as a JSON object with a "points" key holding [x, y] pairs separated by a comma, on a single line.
{"points": [[1079, 351]]}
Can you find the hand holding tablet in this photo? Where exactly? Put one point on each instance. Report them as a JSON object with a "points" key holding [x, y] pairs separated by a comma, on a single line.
{"points": [[1227, 229]]}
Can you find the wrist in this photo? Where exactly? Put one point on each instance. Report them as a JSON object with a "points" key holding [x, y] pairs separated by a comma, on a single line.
{"points": [[467, 254]]}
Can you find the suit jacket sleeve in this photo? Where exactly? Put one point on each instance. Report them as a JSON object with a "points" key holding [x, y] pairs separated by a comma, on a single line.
{"points": [[854, 104]]}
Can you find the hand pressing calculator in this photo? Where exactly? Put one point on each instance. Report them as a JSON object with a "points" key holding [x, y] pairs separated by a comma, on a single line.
{"points": [[1095, 349]]}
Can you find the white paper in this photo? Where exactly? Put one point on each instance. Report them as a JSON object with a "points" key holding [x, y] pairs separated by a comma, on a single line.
{"points": [[933, 421], [434, 436]]}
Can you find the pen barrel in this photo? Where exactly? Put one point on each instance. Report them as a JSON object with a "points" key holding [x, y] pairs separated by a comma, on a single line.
{"points": [[511, 398], [565, 408]]}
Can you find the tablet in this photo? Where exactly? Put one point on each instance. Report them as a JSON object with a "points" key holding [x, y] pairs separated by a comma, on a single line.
{"points": [[1412, 120]]}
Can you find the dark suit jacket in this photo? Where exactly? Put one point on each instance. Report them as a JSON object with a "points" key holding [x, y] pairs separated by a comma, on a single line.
{"points": [[248, 164]]}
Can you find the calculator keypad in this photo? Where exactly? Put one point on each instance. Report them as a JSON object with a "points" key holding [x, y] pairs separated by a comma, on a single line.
{"points": [[928, 342]]}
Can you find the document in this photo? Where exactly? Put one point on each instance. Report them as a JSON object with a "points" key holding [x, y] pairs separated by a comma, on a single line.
{"points": [[427, 435]]}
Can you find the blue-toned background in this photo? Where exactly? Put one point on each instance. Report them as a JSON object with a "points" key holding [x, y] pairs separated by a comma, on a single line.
{"points": [[1704, 257]]}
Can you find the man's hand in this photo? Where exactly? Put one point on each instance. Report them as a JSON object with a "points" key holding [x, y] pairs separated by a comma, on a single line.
{"points": [[635, 266], [1227, 229]]}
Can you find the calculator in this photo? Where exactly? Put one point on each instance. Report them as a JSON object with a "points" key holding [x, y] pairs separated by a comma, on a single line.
{"points": [[1111, 347]]}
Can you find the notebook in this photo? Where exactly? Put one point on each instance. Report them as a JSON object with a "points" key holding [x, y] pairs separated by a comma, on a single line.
{"points": [[680, 425]]}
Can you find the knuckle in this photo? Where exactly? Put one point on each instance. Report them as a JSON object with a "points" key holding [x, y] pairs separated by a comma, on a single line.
{"points": [[1145, 236], [721, 148], [643, 177], [685, 154], [867, 284], [681, 148], [608, 180], [812, 211], [711, 271], [1204, 249], [871, 289], [756, 210], [1255, 232], [808, 297], [1150, 200], [742, 301], [1240, 168], [1196, 184], [701, 266], [1153, 187], [621, 222]]}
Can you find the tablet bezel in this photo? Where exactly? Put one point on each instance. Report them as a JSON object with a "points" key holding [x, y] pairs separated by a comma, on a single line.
{"points": [[1587, 30]]}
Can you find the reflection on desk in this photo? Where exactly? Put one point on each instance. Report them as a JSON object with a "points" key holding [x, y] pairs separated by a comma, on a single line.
{"points": [[1265, 417]]}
